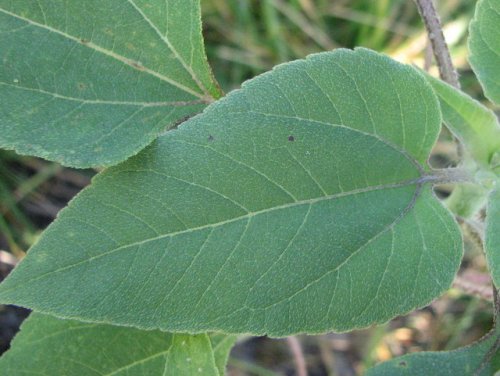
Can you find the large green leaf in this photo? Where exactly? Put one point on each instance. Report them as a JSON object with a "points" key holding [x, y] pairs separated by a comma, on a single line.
{"points": [[51, 346], [484, 46], [475, 126], [492, 235], [89, 83], [297, 204], [480, 359]]}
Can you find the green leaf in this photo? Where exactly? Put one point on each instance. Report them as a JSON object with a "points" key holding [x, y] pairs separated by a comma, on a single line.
{"points": [[297, 204], [480, 359], [473, 124], [92, 82], [484, 46], [492, 235], [50, 346], [222, 345], [467, 199]]}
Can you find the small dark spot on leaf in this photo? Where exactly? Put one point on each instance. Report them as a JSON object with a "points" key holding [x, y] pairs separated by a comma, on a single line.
{"points": [[210, 138], [291, 138], [403, 363], [137, 65], [84, 41], [81, 85]]}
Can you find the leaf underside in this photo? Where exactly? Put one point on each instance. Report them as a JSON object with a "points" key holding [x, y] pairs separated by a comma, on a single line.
{"points": [[50, 346], [297, 204], [90, 83], [476, 359], [484, 47], [475, 126]]}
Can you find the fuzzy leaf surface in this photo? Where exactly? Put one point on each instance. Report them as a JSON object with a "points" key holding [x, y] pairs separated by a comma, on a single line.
{"points": [[50, 346], [221, 346], [479, 359], [299, 203], [90, 83], [484, 47], [475, 126]]}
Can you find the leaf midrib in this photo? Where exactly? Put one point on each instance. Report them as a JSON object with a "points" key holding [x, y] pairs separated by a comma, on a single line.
{"points": [[104, 51], [106, 102], [141, 361], [171, 48], [118, 370], [391, 225], [416, 181]]}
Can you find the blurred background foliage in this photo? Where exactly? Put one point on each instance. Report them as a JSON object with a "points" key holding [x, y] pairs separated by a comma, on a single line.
{"points": [[243, 39]]}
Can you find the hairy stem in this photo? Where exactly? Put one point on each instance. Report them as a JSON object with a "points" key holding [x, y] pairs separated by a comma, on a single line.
{"points": [[449, 175], [439, 47], [467, 200]]}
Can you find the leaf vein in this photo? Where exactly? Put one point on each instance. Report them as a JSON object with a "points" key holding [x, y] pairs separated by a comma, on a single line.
{"points": [[108, 53]]}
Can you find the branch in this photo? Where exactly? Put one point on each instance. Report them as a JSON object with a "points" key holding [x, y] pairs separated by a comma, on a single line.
{"points": [[471, 286], [439, 47], [448, 175], [496, 305], [298, 355]]}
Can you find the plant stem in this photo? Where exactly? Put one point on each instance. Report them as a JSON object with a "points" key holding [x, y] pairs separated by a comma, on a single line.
{"points": [[298, 356], [449, 175], [496, 306], [439, 47], [463, 324], [474, 288], [467, 200]]}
